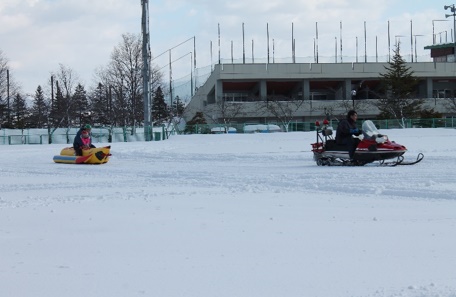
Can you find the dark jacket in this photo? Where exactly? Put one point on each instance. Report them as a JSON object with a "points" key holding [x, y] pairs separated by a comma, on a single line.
{"points": [[345, 130], [77, 143]]}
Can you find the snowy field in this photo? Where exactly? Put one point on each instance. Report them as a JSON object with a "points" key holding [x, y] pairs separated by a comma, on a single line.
{"points": [[228, 216]]}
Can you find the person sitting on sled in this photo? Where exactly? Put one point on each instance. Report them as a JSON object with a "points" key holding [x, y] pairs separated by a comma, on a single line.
{"points": [[82, 140], [345, 131]]}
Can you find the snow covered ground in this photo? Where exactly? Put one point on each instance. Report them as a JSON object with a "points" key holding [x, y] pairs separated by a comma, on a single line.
{"points": [[228, 216]]}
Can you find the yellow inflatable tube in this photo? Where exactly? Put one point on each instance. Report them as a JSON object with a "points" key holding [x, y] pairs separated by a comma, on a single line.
{"points": [[99, 155]]}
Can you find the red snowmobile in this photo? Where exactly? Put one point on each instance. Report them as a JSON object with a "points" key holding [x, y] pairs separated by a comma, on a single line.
{"points": [[373, 147]]}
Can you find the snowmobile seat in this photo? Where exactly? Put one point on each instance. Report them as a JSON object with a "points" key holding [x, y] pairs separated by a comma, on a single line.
{"points": [[333, 146]]}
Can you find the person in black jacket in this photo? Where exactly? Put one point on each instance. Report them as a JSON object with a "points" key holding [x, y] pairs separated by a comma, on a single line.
{"points": [[79, 143], [345, 131]]}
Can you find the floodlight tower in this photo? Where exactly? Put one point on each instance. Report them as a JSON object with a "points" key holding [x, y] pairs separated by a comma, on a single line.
{"points": [[146, 69], [433, 34], [453, 14]]}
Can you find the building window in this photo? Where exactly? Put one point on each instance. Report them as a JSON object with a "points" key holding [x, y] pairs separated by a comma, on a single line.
{"points": [[318, 96], [236, 97], [445, 93]]}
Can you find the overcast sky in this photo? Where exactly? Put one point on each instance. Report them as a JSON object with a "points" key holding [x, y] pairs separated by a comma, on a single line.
{"points": [[37, 35]]}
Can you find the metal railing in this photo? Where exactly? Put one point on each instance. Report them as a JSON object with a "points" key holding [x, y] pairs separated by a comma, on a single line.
{"points": [[310, 126], [66, 136]]}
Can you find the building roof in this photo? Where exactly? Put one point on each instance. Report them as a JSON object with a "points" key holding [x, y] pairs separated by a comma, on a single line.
{"points": [[440, 45]]}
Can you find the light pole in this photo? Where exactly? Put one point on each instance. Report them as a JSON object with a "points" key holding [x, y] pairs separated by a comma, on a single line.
{"points": [[398, 38], [433, 34], [353, 95], [398, 41], [453, 14], [440, 36], [416, 56], [146, 70], [170, 62]]}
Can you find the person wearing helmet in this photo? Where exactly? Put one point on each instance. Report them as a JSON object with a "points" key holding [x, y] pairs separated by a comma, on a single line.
{"points": [[83, 140]]}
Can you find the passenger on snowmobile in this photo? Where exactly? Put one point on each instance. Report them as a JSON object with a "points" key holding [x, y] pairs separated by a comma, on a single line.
{"points": [[345, 131], [371, 132]]}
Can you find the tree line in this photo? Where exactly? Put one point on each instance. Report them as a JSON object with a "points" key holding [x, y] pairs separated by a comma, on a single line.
{"points": [[114, 99]]}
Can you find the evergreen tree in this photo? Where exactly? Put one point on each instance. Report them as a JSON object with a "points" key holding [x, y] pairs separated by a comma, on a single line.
{"points": [[177, 108], [100, 105], [197, 124], [39, 109], [19, 112], [159, 107], [430, 114], [399, 86], [58, 110], [80, 106]]}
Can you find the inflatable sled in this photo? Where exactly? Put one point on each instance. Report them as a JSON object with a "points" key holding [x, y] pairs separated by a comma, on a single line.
{"points": [[99, 155]]}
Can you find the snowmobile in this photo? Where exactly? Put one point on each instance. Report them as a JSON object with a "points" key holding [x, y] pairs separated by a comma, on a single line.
{"points": [[373, 147]]}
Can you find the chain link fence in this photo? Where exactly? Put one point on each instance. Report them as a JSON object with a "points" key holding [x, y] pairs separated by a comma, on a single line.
{"points": [[134, 134]]}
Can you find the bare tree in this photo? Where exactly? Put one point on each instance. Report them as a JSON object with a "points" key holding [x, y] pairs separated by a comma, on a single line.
{"points": [[123, 77], [282, 108], [67, 78], [361, 106], [225, 112], [9, 88], [450, 104], [3, 69]]}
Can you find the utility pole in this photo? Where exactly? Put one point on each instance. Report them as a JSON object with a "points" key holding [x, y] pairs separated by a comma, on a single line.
{"points": [[146, 70], [8, 96]]}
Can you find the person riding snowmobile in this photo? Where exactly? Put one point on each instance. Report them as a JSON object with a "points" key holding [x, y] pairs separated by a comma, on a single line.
{"points": [[345, 131]]}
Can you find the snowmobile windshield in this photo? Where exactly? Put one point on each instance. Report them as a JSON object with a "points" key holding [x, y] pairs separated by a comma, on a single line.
{"points": [[369, 129]]}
